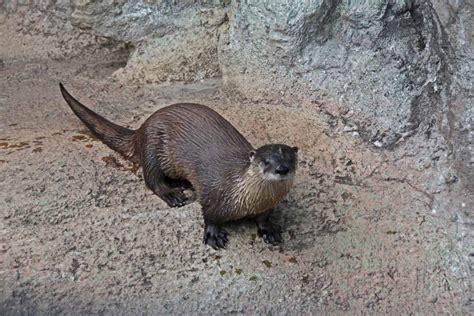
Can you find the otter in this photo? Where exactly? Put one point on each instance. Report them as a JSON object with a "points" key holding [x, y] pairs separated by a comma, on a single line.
{"points": [[190, 146]]}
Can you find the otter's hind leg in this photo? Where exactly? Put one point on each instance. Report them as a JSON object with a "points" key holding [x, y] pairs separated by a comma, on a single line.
{"points": [[155, 180], [182, 184], [270, 232]]}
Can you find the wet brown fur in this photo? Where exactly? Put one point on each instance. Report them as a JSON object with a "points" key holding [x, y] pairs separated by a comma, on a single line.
{"points": [[191, 143]]}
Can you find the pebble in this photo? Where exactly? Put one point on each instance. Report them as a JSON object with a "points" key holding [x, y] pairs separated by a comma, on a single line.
{"points": [[348, 128], [378, 144], [432, 299]]}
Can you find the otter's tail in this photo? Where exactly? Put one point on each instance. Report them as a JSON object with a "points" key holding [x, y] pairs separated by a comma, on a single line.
{"points": [[118, 138]]}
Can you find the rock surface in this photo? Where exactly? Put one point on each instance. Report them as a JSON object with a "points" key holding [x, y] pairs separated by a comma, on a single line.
{"points": [[397, 67], [377, 96], [172, 41]]}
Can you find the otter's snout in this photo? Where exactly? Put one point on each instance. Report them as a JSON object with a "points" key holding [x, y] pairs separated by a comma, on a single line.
{"points": [[282, 170]]}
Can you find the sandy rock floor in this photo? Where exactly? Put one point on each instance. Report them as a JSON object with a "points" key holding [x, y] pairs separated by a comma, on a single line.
{"points": [[80, 233]]}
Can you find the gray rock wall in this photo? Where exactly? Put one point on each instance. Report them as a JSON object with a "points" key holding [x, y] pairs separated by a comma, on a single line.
{"points": [[389, 63], [457, 20], [172, 40]]}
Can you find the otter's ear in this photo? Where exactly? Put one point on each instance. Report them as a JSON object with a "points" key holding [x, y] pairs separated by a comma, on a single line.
{"points": [[252, 155], [295, 149]]}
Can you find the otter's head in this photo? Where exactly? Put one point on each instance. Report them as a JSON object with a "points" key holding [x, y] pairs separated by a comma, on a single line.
{"points": [[275, 162]]}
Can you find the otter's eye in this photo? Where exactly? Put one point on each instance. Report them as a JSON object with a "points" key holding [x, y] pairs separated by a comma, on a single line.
{"points": [[265, 162]]}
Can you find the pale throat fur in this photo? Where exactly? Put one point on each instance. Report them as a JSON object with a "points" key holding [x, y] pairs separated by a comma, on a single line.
{"points": [[253, 194]]}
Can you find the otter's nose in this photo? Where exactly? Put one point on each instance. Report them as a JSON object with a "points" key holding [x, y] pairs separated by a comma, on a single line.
{"points": [[282, 170]]}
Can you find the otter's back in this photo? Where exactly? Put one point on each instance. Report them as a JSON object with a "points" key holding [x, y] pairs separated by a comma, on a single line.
{"points": [[198, 144]]}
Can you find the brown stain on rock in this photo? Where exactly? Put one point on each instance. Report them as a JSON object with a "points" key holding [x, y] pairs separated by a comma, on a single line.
{"points": [[267, 263], [18, 146], [84, 135], [87, 133], [111, 161], [76, 138], [134, 168]]}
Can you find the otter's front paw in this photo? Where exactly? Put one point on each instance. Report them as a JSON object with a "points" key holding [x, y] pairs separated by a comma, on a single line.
{"points": [[215, 236], [271, 233]]}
